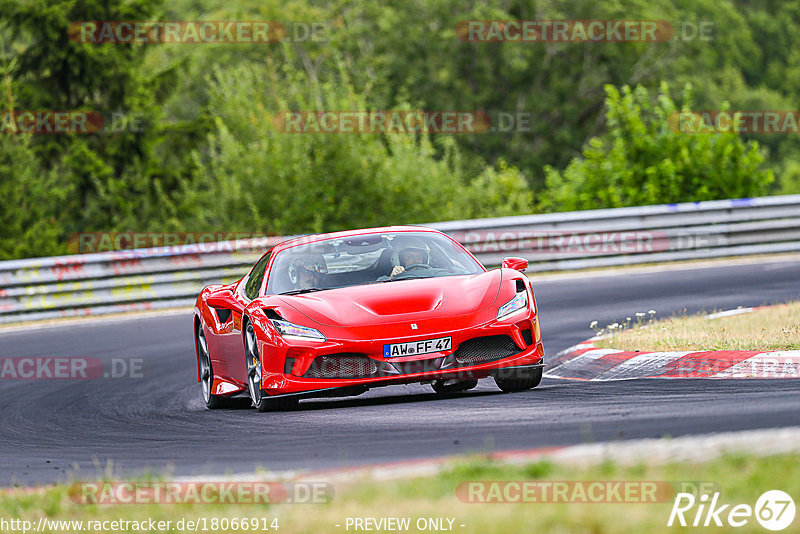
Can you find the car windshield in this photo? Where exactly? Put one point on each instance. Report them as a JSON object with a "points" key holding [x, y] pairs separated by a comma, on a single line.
{"points": [[366, 259]]}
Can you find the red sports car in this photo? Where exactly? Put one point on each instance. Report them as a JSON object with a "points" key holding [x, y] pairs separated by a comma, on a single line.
{"points": [[337, 314]]}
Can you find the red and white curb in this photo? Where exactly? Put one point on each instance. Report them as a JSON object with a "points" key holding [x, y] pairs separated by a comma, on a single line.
{"points": [[585, 361]]}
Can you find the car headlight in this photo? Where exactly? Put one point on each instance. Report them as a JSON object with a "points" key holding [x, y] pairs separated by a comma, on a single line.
{"points": [[291, 330], [518, 303]]}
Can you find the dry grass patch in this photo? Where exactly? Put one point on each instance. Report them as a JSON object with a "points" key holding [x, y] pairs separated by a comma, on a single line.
{"points": [[771, 328]]}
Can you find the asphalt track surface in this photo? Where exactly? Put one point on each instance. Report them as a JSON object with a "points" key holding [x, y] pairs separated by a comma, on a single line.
{"points": [[58, 430]]}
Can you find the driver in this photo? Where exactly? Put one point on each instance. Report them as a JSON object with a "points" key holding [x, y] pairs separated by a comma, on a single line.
{"points": [[408, 257], [308, 271]]}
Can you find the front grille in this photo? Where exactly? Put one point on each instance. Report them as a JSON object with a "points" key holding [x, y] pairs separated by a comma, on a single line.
{"points": [[342, 365], [485, 349]]}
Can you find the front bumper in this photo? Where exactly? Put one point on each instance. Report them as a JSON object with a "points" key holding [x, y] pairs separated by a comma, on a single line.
{"points": [[357, 389], [291, 368]]}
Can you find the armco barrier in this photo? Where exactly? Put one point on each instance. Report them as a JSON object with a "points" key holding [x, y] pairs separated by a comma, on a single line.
{"points": [[93, 284]]}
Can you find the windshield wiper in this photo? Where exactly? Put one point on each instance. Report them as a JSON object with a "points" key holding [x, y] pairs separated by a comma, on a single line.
{"points": [[305, 290]]}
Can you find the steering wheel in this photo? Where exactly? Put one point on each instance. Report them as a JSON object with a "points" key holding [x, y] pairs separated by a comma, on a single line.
{"points": [[408, 269]]}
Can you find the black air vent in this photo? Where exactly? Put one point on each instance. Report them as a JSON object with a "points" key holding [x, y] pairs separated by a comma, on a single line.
{"points": [[527, 336], [272, 314], [485, 349]]}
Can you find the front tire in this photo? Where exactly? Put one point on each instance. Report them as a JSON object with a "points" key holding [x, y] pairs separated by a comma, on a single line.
{"points": [[213, 402], [262, 402], [514, 380]]}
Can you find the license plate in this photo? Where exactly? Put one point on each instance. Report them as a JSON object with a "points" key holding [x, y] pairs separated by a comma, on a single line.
{"points": [[414, 348]]}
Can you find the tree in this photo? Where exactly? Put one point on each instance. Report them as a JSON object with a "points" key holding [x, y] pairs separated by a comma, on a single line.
{"points": [[29, 196], [252, 176]]}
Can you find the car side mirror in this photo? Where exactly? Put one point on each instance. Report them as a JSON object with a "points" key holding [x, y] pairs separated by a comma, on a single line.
{"points": [[223, 300], [518, 264]]}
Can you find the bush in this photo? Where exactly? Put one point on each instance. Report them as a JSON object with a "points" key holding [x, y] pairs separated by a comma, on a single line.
{"points": [[641, 161]]}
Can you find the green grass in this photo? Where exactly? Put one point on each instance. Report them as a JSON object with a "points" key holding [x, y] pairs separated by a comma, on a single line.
{"points": [[739, 479]]}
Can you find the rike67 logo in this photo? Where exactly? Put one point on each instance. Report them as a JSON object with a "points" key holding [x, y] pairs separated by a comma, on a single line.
{"points": [[774, 510]]}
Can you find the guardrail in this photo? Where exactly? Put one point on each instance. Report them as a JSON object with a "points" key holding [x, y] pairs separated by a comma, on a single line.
{"points": [[142, 279]]}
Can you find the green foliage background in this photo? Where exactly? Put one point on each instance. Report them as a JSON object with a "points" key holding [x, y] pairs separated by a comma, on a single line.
{"points": [[210, 159]]}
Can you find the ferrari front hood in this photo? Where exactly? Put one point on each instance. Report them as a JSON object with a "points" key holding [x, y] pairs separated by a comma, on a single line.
{"points": [[401, 300]]}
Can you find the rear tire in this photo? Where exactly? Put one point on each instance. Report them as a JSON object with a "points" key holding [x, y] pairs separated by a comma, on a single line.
{"points": [[518, 379], [262, 402], [442, 386], [213, 402]]}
